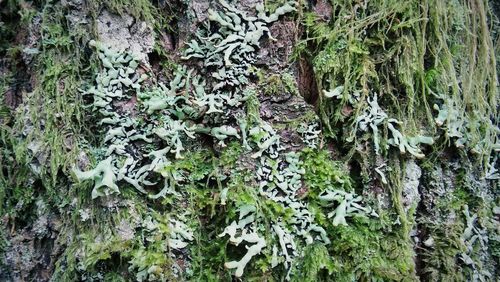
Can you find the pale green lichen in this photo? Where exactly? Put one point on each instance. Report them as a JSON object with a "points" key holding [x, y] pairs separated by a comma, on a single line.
{"points": [[114, 83], [379, 171], [450, 118], [334, 93], [349, 205], [171, 132], [475, 240], [407, 144], [374, 117], [163, 97], [150, 144], [173, 233], [338, 94], [124, 136], [492, 172], [462, 129], [266, 139], [232, 49], [281, 185], [103, 175], [223, 132], [137, 154], [245, 227], [310, 134]]}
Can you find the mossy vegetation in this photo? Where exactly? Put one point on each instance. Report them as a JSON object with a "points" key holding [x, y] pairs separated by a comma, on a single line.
{"points": [[424, 68], [322, 173], [367, 247], [411, 55], [277, 84]]}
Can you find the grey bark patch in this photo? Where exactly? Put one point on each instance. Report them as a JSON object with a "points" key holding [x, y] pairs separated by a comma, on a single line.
{"points": [[279, 111], [200, 9], [286, 108], [32, 44], [20, 256], [40, 156], [411, 196], [125, 33], [77, 15], [125, 230], [32, 252]]}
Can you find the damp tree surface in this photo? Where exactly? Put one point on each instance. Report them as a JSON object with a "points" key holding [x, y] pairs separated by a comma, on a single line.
{"points": [[275, 140]]}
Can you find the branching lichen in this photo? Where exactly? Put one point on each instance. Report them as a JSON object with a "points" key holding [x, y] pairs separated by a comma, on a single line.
{"points": [[348, 205], [374, 117], [245, 226]]}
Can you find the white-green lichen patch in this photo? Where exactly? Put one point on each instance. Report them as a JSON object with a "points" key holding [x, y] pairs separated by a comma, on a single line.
{"points": [[146, 139], [348, 205], [373, 118]]}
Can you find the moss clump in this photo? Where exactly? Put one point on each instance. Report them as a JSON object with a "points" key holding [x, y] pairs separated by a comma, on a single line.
{"points": [[277, 84], [141, 10], [322, 173], [365, 250], [366, 246], [317, 265], [456, 224], [51, 115]]}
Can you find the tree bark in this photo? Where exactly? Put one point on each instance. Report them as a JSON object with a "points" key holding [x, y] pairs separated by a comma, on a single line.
{"points": [[284, 140]]}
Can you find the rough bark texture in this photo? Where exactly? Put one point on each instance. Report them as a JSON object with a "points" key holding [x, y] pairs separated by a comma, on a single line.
{"points": [[285, 140]]}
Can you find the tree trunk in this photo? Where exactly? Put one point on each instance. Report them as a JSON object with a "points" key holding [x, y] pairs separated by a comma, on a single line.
{"points": [[215, 140]]}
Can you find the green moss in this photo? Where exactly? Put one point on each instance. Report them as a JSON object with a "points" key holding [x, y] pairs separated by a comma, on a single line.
{"points": [[252, 106], [363, 250], [51, 115], [17, 190], [196, 165], [272, 5], [274, 211], [209, 251], [322, 173], [114, 277], [444, 229], [141, 9], [17, 183], [366, 248], [106, 248], [277, 84], [208, 258], [231, 154], [15, 17], [317, 265], [440, 262], [5, 114], [396, 178]]}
